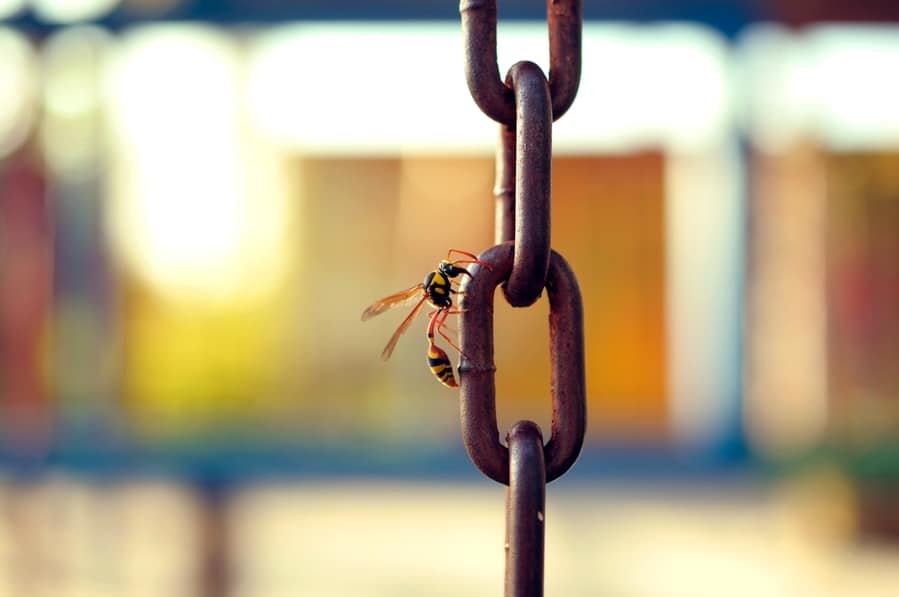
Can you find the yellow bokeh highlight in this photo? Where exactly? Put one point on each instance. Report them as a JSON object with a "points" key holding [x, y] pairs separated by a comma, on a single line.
{"points": [[192, 365]]}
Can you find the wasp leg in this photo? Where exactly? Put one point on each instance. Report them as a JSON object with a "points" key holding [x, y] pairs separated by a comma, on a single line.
{"points": [[432, 324], [472, 258], [442, 323]]}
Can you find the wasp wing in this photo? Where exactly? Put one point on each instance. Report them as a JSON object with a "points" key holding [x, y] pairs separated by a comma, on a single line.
{"points": [[388, 350], [394, 300]]}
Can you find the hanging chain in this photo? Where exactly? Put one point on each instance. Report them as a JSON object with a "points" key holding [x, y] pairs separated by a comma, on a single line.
{"points": [[524, 263], [481, 69]]}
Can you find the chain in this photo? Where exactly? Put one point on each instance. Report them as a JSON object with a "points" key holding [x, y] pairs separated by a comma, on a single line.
{"points": [[524, 263], [481, 70]]}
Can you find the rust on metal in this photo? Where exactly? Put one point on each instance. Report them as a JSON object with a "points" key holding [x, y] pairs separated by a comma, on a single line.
{"points": [[477, 371], [504, 187], [533, 177], [564, 17], [525, 511], [481, 70], [523, 261]]}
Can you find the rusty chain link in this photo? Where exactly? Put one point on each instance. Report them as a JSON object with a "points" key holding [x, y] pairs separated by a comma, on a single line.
{"points": [[533, 175], [477, 371], [504, 187], [482, 73], [525, 509], [524, 263]]}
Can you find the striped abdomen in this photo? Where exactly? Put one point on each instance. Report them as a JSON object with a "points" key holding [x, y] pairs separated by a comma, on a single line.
{"points": [[440, 366]]}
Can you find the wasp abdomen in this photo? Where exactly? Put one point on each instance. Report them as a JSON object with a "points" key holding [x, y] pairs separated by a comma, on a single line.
{"points": [[440, 366]]}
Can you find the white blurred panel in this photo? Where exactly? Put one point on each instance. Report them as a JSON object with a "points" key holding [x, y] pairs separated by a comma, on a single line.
{"points": [[76, 538], [856, 92], [385, 539], [832, 84], [73, 61], [359, 88], [17, 89], [368, 539], [9, 8], [72, 11], [195, 210], [704, 271]]}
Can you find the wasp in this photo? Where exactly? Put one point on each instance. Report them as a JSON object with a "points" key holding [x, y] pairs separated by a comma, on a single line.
{"points": [[437, 290]]}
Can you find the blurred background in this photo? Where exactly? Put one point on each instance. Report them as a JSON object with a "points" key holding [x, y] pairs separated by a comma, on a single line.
{"points": [[198, 198]]}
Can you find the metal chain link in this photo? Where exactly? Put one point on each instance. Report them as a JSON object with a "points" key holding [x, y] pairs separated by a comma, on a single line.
{"points": [[533, 176], [477, 371], [482, 73], [524, 263]]}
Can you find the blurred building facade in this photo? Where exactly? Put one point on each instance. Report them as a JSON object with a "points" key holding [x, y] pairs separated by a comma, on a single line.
{"points": [[197, 201]]}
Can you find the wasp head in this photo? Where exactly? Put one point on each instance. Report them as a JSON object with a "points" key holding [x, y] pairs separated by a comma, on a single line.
{"points": [[451, 271]]}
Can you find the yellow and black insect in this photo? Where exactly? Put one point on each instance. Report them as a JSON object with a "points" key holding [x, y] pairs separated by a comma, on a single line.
{"points": [[436, 289]]}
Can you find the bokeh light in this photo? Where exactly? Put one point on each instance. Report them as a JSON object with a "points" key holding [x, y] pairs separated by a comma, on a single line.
{"points": [[72, 11], [187, 217], [9, 8], [17, 88], [194, 214]]}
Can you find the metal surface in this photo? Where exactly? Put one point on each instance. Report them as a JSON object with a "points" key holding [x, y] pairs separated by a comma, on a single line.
{"points": [[477, 370], [504, 187], [495, 99], [533, 177], [524, 263], [525, 511], [565, 19]]}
